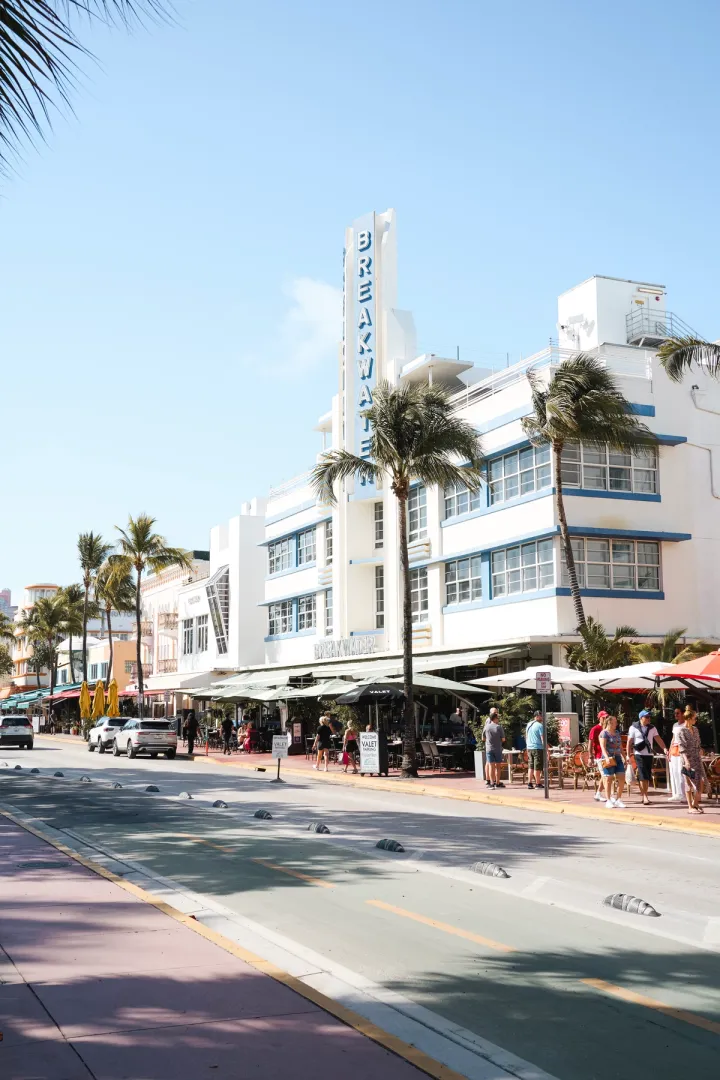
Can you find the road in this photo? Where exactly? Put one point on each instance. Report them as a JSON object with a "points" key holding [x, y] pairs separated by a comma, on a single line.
{"points": [[525, 976]]}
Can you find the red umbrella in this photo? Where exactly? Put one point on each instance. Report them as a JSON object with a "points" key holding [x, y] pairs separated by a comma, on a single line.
{"points": [[706, 669]]}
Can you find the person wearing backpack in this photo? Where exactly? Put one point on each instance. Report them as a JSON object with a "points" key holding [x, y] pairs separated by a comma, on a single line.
{"points": [[642, 737], [534, 740]]}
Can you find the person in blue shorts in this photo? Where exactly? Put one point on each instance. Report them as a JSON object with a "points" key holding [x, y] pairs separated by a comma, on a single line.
{"points": [[494, 738], [612, 763], [534, 739]]}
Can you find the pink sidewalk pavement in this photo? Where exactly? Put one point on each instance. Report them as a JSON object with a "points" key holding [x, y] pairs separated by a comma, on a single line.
{"points": [[96, 983]]}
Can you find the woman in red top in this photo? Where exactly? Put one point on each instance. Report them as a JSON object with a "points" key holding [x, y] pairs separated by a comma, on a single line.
{"points": [[595, 753]]}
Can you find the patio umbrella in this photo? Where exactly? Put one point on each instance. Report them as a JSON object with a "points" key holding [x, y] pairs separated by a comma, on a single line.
{"points": [[703, 673], [98, 708], [525, 680], [377, 693], [113, 705], [627, 678], [85, 704]]}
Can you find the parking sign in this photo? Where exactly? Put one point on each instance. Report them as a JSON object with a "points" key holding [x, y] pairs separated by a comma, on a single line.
{"points": [[543, 682]]}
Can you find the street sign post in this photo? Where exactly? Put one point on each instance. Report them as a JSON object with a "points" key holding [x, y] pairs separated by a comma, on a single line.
{"points": [[543, 687], [280, 746]]}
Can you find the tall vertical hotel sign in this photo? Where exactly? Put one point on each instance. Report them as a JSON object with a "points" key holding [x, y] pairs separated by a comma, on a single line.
{"points": [[363, 342]]}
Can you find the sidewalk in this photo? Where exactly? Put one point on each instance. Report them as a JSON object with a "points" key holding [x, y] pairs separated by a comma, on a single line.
{"points": [[95, 982]]}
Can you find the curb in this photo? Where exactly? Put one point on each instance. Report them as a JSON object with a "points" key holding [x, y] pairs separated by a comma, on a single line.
{"points": [[703, 828], [421, 1061]]}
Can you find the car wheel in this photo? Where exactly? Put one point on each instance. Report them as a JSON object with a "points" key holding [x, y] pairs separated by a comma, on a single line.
{"points": [[116, 749], [131, 751], [101, 747], [169, 754], [90, 747], [153, 755], [30, 746]]}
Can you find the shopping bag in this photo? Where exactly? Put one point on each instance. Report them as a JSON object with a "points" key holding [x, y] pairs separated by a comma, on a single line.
{"points": [[629, 775], [345, 758]]}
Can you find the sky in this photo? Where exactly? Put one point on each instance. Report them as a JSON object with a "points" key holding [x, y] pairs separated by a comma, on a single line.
{"points": [[171, 256]]}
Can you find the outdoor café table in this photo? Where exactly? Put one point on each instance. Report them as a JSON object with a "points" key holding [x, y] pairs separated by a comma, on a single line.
{"points": [[558, 758], [510, 754], [454, 746]]}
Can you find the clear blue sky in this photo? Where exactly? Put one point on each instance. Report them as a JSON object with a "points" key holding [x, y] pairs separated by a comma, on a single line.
{"points": [[169, 256]]}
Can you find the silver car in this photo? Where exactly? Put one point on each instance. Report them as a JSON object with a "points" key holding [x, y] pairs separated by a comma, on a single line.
{"points": [[102, 735], [16, 731], [151, 737]]}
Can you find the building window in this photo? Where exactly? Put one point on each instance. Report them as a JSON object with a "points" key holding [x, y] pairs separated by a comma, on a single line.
{"points": [[187, 636], [329, 612], [201, 624], [615, 564], [218, 594], [306, 612], [103, 671], [93, 672], [379, 525], [417, 513], [519, 473], [280, 555], [281, 617], [460, 500], [598, 468], [306, 547], [379, 597], [328, 543], [63, 676], [522, 569], [129, 667], [419, 594], [462, 580]]}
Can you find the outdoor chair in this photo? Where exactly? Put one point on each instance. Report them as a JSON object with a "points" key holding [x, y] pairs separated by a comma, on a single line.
{"points": [[712, 771], [430, 758], [577, 766], [659, 769], [444, 760]]}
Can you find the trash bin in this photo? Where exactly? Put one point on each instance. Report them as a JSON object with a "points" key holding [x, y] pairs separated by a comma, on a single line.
{"points": [[296, 729]]}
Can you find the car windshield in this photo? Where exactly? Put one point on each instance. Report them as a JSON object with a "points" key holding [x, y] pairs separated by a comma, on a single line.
{"points": [[115, 721], [157, 725], [15, 721]]}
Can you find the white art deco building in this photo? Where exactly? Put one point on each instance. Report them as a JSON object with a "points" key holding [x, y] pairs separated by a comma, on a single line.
{"points": [[488, 583]]}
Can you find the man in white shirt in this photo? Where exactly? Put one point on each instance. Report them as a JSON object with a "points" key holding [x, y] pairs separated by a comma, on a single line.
{"points": [[642, 737]]}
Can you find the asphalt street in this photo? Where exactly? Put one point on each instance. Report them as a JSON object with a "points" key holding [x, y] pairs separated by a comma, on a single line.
{"points": [[533, 963]]}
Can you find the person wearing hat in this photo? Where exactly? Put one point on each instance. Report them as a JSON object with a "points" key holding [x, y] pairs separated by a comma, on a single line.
{"points": [[534, 740], [642, 737]]}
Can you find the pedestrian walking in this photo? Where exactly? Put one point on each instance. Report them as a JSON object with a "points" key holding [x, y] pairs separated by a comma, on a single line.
{"points": [[613, 766], [350, 746], [192, 731], [675, 765], [691, 757], [227, 731], [323, 742], [534, 740], [494, 738], [595, 754], [642, 738]]}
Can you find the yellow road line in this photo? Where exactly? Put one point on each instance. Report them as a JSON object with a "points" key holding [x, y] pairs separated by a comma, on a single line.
{"points": [[651, 1003], [403, 1050], [208, 843], [445, 927], [294, 873]]}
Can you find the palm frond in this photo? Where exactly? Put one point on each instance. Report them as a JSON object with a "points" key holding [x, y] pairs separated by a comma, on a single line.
{"points": [[39, 48], [338, 465], [678, 355]]}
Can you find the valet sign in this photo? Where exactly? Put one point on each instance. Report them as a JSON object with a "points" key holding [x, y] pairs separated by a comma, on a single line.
{"points": [[365, 345]]}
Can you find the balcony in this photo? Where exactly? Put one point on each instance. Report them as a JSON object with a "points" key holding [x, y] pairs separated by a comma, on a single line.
{"points": [[131, 669], [146, 628], [650, 328], [167, 666], [168, 620]]}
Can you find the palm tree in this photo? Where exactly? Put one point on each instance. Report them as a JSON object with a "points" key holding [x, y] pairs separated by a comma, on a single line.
{"points": [[39, 661], [671, 650], [414, 435], [92, 552], [142, 549], [115, 590], [74, 597], [597, 651], [6, 661], [39, 45], [7, 628], [581, 403], [678, 355], [43, 625]]}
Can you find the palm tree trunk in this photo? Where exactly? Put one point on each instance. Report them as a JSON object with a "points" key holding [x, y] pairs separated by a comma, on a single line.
{"points": [[86, 583], [138, 643], [564, 533], [409, 766], [72, 665], [110, 641]]}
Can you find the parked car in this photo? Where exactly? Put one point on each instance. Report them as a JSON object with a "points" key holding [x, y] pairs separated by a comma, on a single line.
{"points": [[151, 737], [16, 731], [102, 735]]}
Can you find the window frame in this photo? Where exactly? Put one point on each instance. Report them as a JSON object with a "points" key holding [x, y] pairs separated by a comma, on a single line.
{"points": [[329, 613], [584, 463], [611, 579], [307, 612], [455, 589], [519, 570], [280, 613], [93, 673], [379, 597], [328, 542], [419, 602], [306, 546], [505, 474], [281, 554], [417, 513], [457, 493], [379, 525], [188, 636], [202, 633]]}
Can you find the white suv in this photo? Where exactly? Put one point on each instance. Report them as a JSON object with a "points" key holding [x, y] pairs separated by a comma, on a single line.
{"points": [[146, 736], [102, 735]]}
